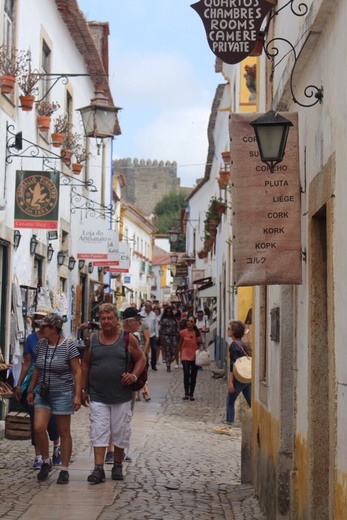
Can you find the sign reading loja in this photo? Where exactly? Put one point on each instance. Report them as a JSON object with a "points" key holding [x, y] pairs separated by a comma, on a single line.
{"points": [[232, 26]]}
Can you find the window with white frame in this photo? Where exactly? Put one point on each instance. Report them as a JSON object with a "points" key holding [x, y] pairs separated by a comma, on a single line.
{"points": [[8, 23], [45, 67]]}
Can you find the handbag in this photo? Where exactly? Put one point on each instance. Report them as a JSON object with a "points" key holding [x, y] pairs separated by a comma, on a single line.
{"points": [[202, 358], [242, 368], [129, 367]]}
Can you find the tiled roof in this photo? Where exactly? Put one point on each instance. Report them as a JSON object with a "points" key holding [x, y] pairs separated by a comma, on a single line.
{"points": [[95, 62]]}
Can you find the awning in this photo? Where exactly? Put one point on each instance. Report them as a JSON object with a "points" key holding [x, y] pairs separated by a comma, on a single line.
{"points": [[209, 292]]}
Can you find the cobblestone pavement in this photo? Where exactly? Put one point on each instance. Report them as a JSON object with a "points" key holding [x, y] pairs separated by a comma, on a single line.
{"points": [[180, 469]]}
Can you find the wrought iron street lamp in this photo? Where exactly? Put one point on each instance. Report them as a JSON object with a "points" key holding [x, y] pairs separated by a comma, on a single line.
{"points": [[50, 252], [16, 238], [71, 263], [33, 244], [90, 268], [173, 235], [81, 263], [100, 117], [271, 132], [60, 258]]}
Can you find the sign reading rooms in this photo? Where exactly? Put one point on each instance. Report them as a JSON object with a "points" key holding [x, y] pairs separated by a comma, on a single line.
{"points": [[232, 26]]}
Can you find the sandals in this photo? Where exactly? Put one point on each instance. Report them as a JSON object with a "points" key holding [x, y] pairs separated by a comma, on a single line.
{"points": [[146, 397]]}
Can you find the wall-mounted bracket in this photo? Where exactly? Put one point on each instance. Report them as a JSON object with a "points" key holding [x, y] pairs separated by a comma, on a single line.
{"points": [[14, 148], [91, 207]]}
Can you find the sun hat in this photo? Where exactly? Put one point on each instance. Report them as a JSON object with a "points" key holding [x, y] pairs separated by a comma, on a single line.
{"points": [[51, 320], [130, 312]]}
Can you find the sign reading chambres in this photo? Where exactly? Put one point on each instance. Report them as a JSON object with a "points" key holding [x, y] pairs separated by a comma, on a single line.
{"points": [[266, 223], [232, 26]]}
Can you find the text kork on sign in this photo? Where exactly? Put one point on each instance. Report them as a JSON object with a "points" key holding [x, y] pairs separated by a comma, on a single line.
{"points": [[266, 223], [232, 26]]}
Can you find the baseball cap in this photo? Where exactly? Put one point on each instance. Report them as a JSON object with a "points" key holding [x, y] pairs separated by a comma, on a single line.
{"points": [[51, 320], [130, 312]]}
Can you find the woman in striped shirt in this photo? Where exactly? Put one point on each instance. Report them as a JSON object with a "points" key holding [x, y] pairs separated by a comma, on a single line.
{"points": [[55, 388]]}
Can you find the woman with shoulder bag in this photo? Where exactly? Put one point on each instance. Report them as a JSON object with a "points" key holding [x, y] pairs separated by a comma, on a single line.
{"points": [[55, 389], [237, 349]]}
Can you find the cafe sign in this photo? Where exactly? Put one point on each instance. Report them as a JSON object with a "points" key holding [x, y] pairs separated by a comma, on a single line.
{"points": [[266, 222], [232, 26]]}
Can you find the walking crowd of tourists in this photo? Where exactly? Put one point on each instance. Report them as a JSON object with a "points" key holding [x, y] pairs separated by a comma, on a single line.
{"points": [[109, 376]]}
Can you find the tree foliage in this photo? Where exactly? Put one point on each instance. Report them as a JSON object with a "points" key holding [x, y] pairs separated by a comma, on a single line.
{"points": [[167, 213]]}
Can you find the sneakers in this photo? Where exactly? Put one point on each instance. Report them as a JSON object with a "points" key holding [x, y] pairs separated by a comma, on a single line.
{"points": [[45, 470], [97, 476], [63, 477], [109, 457], [117, 472], [56, 456], [37, 462], [126, 458], [176, 366]]}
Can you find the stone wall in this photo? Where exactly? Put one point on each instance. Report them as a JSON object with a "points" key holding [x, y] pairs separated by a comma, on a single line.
{"points": [[147, 181]]}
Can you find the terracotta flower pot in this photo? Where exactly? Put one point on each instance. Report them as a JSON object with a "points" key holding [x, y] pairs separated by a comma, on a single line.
{"points": [[77, 168], [226, 158], [43, 123], [221, 209], [7, 84], [202, 254], [224, 177], [66, 155], [57, 139], [27, 103]]}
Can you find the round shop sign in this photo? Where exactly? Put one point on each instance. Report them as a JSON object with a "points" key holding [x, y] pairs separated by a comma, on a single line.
{"points": [[36, 196]]}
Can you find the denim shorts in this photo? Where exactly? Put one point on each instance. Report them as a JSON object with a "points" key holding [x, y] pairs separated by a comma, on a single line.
{"points": [[60, 403]]}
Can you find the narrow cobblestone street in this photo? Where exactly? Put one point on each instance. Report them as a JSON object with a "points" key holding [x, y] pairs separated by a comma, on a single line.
{"points": [[180, 467]]}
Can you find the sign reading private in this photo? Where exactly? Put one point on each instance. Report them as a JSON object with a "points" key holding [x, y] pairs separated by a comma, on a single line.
{"points": [[36, 200], [266, 224], [232, 26]]}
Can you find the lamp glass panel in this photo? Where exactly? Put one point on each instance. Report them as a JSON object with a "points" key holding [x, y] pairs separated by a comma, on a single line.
{"points": [[88, 121], [270, 141], [105, 122]]}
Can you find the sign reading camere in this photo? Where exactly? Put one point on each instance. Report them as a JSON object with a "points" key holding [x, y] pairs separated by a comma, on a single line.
{"points": [[266, 223], [232, 26]]}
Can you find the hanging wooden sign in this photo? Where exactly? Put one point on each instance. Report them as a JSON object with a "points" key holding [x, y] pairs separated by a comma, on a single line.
{"points": [[266, 222], [232, 26]]}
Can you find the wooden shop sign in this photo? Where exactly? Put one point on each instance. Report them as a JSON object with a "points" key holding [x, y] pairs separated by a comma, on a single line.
{"points": [[232, 26], [266, 222]]}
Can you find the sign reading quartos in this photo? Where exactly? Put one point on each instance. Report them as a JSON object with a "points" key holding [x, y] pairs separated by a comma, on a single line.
{"points": [[232, 26], [266, 223]]}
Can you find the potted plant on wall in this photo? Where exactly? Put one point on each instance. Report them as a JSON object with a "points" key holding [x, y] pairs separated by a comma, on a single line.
{"points": [[12, 64], [61, 125], [224, 177], [45, 110], [27, 82], [70, 143], [81, 155]]}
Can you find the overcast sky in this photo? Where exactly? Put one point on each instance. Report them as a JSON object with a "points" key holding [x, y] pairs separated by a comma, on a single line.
{"points": [[162, 75]]}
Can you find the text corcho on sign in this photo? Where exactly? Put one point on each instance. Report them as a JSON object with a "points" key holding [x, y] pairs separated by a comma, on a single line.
{"points": [[232, 26]]}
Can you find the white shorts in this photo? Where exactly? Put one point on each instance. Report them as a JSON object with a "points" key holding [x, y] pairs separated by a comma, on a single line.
{"points": [[110, 421]]}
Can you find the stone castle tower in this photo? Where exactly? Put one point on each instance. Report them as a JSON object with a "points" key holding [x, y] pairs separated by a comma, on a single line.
{"points": [[147, 181]]}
